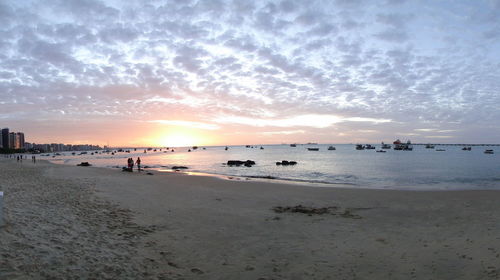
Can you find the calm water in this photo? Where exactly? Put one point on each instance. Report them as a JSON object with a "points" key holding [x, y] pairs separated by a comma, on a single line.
{"points": [[420, 169]]}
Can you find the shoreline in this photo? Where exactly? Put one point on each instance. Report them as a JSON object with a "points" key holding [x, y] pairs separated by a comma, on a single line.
{"points": [[90, 222], [297, 182]]}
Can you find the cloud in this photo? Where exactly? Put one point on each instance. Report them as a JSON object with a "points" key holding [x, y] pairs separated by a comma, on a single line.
{"points": [[316, 121], [392, 35], [190, 124], [335, 63]]}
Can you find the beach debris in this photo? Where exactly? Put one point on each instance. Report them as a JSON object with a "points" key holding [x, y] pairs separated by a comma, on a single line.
{"points": [[84, 163], [196, 271], [348, 214], [247, 163], [179, 167], [286, 162], [306, 210], [333, 210]]}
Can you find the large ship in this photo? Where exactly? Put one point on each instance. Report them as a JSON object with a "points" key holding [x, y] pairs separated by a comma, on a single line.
{"points": [[400, 146]]}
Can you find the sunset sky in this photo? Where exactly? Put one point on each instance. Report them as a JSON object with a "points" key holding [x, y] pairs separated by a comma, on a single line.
{"points": [[215, 72]]}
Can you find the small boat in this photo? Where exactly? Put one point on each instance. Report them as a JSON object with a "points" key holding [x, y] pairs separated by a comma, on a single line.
{"points": [[313, 149], [429, 146], [331, 148], [385, 146], [440, 150], [381, 151], [369, 147], [262, 148], [226, 148], [360, 147], [489, 152], [293, 145], [466, 148]]}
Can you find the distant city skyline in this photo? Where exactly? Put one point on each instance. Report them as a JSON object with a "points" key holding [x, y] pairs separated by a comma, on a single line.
{"points": [[235, 72]]}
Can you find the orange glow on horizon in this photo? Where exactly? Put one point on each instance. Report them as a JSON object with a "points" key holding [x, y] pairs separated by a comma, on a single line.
{"points": [[181, 138]]}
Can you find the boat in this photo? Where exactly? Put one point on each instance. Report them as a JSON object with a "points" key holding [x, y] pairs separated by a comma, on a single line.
{"points": [[400, 146], [381, 151], [385, 146], [226, 148], [331, 148], [293, 145], [360, 147], [440, 150], [466, 148], [369, 147], [488, 152], [313, 149], [429, 146]]}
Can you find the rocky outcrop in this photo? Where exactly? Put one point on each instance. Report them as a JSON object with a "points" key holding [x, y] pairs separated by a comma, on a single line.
{"points": [[179, 167], [247, 163], [286, 162]]}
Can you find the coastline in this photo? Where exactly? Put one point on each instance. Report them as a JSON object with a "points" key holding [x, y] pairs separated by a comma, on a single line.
{"points": [[103, 223]]}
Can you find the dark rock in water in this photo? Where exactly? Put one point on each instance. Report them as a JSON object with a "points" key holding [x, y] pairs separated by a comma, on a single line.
{"points": [[127, 169], [247, 163], [84, 163], [262, 177], [286, 162], [179, 167], [234, 162], [149, 173]]}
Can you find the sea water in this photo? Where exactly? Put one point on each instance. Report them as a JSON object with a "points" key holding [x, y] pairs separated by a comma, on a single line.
{"points": [[420, 169]]}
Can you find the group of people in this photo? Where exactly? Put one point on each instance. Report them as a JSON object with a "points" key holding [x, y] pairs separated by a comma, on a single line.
{"points": [[130, 162]]}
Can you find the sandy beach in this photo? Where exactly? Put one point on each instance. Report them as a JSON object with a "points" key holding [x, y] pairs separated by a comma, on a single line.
{"points": [[68, 222]]}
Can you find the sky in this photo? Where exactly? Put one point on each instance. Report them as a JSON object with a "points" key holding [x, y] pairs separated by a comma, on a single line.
{"points": [[231, 72]]}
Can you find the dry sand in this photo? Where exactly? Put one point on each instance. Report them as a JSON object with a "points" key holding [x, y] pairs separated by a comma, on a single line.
{"points": [[65, 222]]}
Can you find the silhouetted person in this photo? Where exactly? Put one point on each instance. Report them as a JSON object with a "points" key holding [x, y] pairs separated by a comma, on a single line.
{"points": [[138, 162]]}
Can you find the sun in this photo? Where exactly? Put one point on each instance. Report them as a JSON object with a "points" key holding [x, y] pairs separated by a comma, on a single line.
{"points": [[178, 139]]}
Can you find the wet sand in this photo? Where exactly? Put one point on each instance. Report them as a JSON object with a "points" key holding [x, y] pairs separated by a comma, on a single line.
{"points": [[68, 222]]}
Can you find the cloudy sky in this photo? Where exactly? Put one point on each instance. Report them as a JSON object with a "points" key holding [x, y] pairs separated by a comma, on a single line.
{"points": [[248, 72]]}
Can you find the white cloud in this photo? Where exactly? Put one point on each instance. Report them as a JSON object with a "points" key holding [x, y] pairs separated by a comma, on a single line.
{"points": [[312, 120], [190, 124]]}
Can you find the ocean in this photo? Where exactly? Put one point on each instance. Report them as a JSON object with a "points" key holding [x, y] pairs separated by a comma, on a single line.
{"points": [[420, 169]]}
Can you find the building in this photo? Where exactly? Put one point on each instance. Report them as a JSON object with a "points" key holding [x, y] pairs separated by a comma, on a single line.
{"points": [[5, 138], [19, 140], [12, 140]]}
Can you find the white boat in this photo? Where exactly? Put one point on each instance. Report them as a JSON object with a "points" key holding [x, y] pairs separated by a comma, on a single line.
{"points": [[385, 146]]}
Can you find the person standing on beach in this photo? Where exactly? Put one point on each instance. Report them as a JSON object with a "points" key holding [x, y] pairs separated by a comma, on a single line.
{"points": [[138, 162]]}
